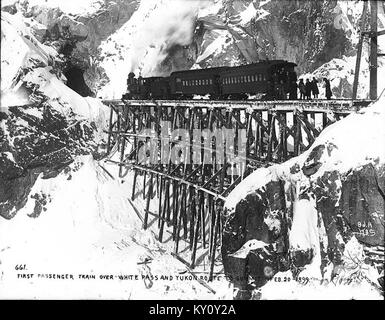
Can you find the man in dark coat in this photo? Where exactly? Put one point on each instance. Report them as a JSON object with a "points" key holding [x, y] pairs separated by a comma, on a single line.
{"points": [[308, 87], [293, 90], [314, 88], [302, 90], [328, 91]]}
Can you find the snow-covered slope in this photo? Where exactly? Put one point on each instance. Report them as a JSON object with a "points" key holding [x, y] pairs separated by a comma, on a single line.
{"points": [[86, 227]]}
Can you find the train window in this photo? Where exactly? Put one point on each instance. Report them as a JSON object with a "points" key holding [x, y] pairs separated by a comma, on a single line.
{"points": [[178, 80], [248, 79], [264, 77]]}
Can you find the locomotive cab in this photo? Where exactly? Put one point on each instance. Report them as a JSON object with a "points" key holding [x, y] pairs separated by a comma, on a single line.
{"points": [[146, 88]]}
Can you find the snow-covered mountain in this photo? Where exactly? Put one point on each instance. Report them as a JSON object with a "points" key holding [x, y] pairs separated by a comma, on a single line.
{"points": [[105, 40], [56, 56]]}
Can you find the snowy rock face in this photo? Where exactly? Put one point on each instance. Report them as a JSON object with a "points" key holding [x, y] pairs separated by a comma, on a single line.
{"points": [[75, 30], [308, 209], [34, 140], [44, 125], [105, 40]]}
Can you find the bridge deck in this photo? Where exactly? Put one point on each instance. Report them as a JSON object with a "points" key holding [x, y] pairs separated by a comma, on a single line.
{"points": [[321, 105]]}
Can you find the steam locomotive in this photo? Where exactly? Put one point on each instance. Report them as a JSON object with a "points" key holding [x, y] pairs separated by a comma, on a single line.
{"points": [[265, 80]]}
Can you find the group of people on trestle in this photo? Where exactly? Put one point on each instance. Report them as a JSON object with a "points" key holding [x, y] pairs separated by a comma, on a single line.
{"points": [[309, 89]]}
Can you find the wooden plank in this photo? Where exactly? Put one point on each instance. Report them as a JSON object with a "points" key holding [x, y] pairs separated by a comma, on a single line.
{"points": [[359, 50], [148, 200]]}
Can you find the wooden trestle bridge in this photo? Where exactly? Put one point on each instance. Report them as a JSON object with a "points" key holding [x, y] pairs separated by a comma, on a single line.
{"points": [[190, 194]]}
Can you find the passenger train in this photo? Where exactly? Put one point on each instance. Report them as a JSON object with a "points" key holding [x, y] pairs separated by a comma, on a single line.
{"points": [[265, 80]]}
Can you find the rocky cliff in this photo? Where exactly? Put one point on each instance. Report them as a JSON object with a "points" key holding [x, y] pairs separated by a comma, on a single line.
{"points": [[44, 125]]}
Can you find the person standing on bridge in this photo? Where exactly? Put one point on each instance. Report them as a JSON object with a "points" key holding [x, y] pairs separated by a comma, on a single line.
{"points": [[328, 91], [314, 88], [308, 87], [301, 87]]}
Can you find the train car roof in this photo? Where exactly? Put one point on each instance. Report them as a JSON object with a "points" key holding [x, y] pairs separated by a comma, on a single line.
{"points": [[263, 63], [224, 69], [200, 70]]}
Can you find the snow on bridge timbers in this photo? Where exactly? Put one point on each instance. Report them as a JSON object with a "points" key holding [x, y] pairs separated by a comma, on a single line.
{"points": [[310, 206]]}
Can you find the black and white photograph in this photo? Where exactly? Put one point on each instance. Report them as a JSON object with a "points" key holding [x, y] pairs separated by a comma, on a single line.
{"points": [[201, 150]]}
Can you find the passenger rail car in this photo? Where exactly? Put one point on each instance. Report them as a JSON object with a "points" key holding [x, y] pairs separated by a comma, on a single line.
{"points": [[186, 84], [269, 80]]}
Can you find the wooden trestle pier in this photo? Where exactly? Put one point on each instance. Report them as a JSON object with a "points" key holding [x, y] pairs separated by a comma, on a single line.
{"points": [[191, 195]]}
